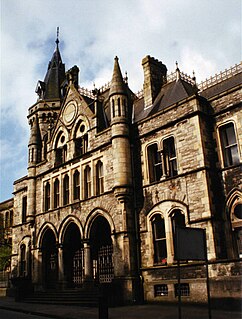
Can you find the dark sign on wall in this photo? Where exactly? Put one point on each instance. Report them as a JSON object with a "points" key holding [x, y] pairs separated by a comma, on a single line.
{"points": [[190, 244]]}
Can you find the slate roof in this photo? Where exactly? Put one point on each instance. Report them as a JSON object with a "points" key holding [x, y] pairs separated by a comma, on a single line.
{"points": [[177, 90], [222, 86], [170, 93], [54, 77]]}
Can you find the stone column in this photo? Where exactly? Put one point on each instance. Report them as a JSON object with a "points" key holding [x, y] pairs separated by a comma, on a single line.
{"points": [[60, 265], [39, 269], [87, 260]]}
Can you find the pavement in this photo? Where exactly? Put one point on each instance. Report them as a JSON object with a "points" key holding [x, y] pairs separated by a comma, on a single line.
{"points": [[145, 311]]}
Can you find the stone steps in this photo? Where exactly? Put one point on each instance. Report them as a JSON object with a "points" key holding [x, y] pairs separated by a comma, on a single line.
{"points": [[85, 298]]}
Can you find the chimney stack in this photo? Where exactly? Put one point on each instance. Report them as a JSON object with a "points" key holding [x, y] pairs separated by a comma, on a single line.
{"points": [[154, 77]]}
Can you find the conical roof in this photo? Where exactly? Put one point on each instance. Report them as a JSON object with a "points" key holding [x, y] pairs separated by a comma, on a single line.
{"points": [[118, 85], [35, 137], [55, 76]]}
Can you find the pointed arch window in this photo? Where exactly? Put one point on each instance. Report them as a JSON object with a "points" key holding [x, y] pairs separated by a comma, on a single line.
{"points": [[113, 107], [7, 220], [169, 152], [229, 145], [119, 107], [76, 185], [66, 190], [56, 193], [45, 147], [11, 218], [22, 268], [61, 150], [154, 162], [125, 107], [99, 178], [159, 239], [162, 163], [24, 209], [81, 138], [81, 145], [177, 220], [87, 182], [47, 196]]}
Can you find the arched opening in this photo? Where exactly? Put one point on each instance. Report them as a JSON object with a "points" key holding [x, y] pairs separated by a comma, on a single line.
{"points": [[73, 256], [50, 259], [101, 250]]}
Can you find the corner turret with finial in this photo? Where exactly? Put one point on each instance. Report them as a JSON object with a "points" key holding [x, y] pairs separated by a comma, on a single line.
{"points": [[118, 94]]}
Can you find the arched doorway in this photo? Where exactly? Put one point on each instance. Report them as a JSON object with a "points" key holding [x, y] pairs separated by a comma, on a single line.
{"points": [[50, 259], [73, 256], [101, 250]]}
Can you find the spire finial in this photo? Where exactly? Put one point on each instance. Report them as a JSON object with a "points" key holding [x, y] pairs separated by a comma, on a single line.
{"points": [[57, 36], [177, 72], [194, 76]]}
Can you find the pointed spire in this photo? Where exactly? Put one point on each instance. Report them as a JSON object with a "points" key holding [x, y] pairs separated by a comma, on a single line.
{"points": [[55, 74], [117, 84]]}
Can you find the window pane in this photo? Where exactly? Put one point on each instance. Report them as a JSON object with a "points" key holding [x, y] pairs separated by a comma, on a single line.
{"points": [[76, 186], [99, 178], [47, 196], [24, 209], [230, 134], [238, 211], [234, 154], [184, 290], [161, 290], [66, 190], [154, 162], [56, 193], [160, 251], [87, 182], [239, 241], [159, 227], [229, 145], [170, 156], [159, 239]]}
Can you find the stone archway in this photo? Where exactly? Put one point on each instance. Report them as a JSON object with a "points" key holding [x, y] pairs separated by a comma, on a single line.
{"points": [[49, 259], [73, 256], [101, 250]]}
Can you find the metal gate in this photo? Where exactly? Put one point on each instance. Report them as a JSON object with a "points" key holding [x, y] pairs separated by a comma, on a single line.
{"points": [[105, 264], [78, 267]]}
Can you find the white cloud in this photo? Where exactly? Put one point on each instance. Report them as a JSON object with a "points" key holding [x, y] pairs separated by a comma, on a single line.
{"points": [[195, 61]]}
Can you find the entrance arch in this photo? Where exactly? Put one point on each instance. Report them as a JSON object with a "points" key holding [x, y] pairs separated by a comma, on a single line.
{"points": [[73, 256], [49, 259], [101, 250]]}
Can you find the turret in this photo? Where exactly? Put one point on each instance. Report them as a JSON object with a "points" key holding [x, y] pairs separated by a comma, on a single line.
{"points": [[41, 117], [118, 96], [118, 99], [35, 143]]}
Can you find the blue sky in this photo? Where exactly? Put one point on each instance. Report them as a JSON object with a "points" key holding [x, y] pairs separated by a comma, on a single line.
{"points": [[202, 35]]}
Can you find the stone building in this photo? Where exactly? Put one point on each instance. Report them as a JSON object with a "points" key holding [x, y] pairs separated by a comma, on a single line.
{"points": [[112, 173]]}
